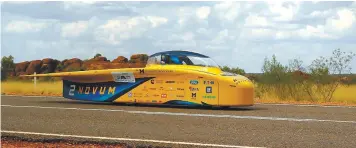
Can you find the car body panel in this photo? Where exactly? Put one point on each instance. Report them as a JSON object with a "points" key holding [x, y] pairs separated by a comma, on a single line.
{"points": [[158, 84]]}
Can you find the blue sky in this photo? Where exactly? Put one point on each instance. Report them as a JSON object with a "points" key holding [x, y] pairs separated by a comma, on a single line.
{"points": [[232, 33]]}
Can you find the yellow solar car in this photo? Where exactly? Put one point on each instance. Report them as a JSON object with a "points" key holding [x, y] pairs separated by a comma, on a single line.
{"points": [[170, 77]]}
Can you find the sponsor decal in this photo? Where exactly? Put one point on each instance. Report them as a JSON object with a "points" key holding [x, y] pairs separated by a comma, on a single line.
{"points": [[209, 97], [127, 77], [233, 85], [100, 91], [154, 101], [234, 80], [161, 88], [142, 71], [146, 96], [170, 81], [152, 88], [182, 89], [130, 94], [164, 96], [139, 95], [162, 70], [194, 95], [200, 77], [209, 82], [159, 81], [209, 89], [193, 89], [194, 82], [152, 81], [156, 95], [144, 88], [92, 90], [180, 96], [169, 89], [180, 82]]}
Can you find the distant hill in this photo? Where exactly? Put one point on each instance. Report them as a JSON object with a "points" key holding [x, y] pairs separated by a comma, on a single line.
{"points": [[49, 65]]}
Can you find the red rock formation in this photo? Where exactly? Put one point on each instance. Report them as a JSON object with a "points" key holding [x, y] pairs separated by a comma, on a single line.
{"points": [[49, 65], [120, 59], [72, 64], [21, 67], [139, 58], [35, 66], [100, 59], [71, 61]]}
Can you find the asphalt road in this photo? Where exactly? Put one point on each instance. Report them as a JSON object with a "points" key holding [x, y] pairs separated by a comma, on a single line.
{"points": [[258, 126]]}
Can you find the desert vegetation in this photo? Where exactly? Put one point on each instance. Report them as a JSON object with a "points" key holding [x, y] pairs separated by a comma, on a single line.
{"points": [[325, 80]]}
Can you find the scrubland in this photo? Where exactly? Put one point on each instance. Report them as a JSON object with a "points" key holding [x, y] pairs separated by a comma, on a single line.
{"points": [[344, 95]]}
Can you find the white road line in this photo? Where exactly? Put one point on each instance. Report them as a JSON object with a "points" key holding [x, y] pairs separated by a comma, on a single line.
{"points": [[305, 105], [191, 115], [267, 104], [124, 139]]}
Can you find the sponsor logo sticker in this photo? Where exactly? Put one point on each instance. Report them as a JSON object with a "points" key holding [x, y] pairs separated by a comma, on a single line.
{"points": [[142, 71], [194, 95], [127, 77], [194, 82], [209, 82], [182, 89], [164, 96], [170, 81], [180, 96], [130, 94], [193, 89], [209, 89], [209, 97]]}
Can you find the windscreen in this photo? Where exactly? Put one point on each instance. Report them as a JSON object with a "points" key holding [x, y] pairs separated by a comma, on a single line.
{"points": [[182, 60]]}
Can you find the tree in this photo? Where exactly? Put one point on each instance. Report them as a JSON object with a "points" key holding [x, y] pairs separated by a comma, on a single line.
{"points": [[327, 73], [236, 70], [97, 55], [7, 65]]}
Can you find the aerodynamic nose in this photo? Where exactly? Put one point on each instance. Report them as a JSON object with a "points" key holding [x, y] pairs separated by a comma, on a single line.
{"points": [[245, 92]]}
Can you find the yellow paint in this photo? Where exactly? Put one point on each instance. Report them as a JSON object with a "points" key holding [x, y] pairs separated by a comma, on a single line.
{"points": [[102, 91], [95, 89], [343, 95], [168, 79], [111, 90]]}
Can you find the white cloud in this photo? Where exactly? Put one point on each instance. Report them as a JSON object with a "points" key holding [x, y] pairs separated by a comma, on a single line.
{"points": [[227, 10], [74, 29], [256, 20], [284, 11], [345, 19], [184, 14], [74, 4], [203, 12], [156, 21], [116, 30], [25, 26], [188, 36], [314, 32], [319, 14]]}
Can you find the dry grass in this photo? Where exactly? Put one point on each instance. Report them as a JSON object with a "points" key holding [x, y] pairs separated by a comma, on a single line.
{"points": [[344, 95], [28, 88]]}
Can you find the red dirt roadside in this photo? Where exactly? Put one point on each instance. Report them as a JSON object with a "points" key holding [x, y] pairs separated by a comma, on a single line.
{"points": [[14, 142]]}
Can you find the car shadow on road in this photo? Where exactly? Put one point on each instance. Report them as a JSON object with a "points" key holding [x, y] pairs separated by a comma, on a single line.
{"points": [[246, 108]]}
